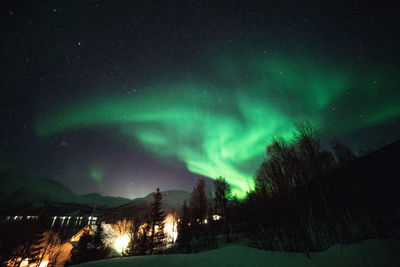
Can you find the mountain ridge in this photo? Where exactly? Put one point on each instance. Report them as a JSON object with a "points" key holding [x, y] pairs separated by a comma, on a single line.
{"points": [[17, 189], [22, 193]]}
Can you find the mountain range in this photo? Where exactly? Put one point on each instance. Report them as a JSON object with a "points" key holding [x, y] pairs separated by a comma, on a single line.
{"points": [[26, 195]]}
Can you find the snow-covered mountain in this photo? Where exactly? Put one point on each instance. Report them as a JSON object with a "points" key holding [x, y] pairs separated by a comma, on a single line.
{"points": [[21, 191], [26, 194], [172, 200]]}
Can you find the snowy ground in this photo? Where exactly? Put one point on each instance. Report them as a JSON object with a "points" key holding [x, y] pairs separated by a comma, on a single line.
{"points": [[373, 252]]}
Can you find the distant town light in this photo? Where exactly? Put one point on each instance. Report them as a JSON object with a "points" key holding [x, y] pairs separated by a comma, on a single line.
{"points": [[216, 217]]}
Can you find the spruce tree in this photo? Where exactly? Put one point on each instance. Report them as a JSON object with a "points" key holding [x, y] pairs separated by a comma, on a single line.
{"points": [[157, 234], [90, 247], [100, 248]]}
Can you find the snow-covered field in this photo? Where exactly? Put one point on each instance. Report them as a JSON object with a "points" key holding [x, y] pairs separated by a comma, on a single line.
{"points": [[375, 252]]}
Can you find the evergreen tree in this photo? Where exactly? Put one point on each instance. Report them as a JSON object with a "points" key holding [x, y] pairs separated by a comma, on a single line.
{"points": [[143, 242], [80, 253], [157, 235], [100, 248], [90, 247]]}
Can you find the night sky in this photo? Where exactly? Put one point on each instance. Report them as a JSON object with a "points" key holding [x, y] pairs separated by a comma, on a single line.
{"points": [[123, 98]]}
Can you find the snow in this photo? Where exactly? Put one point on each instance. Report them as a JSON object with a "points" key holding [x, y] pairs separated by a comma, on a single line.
{"points": [[374, 252], [172, 200], [19, 189]]}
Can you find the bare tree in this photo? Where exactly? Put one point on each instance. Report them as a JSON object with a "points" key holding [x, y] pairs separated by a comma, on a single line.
{"points": [[198, 213], [342, 153], [222, 192], [184, 232]]}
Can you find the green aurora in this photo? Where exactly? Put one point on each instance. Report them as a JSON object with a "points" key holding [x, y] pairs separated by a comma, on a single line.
{"points": [[96, 174], [220, 126]]}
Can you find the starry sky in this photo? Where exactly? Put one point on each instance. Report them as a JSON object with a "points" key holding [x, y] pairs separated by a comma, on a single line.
{"points": [[121, 98]]}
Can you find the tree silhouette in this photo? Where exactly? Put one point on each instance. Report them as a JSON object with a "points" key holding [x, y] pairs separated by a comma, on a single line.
{"points": [[81, 253], [90, 247], [157, 235], [198, 202], [222, 191], [184, 238], [305, 197], [342, 153], [198, 213], [136, 231]]}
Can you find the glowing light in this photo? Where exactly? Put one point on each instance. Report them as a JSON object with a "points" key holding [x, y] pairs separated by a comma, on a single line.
{"points": [[54, 220], [170, 228], [121, 243], [25, 263], [216, 217]]}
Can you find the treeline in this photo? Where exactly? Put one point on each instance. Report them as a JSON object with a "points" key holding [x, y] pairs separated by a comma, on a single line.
{"points": [[202, 223], [143, 225], [91, 246], [206, 221], [308, 198], [146, 229]]}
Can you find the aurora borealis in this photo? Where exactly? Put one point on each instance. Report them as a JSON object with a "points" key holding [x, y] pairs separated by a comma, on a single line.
{"points": [[126, 104], [222, 135]]}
